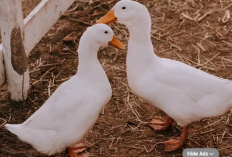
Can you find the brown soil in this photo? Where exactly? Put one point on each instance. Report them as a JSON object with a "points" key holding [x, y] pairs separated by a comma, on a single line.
{"points": [[205, 44]]}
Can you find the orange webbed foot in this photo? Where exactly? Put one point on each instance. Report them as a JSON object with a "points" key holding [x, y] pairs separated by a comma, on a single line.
{"points": [[78, 150], [160, 124], [175, 143]]}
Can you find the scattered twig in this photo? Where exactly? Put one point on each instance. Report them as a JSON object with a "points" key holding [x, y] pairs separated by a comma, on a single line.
{"points": [[41, 78], [71, 51], [4, 122], [86, 23], [206, 14]]}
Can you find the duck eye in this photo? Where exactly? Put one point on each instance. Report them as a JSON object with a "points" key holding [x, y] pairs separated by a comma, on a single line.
{"points": [[123, 7], [106, 32]]}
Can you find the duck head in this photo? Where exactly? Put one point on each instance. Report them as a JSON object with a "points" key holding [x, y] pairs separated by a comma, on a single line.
{"points": [[100, 35], [127, 12]]}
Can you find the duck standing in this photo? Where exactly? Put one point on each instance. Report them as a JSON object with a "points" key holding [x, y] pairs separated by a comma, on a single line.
{"points": [[184, 93], [72, 110]]}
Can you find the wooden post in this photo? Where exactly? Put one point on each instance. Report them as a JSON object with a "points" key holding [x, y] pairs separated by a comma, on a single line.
{"points": [[15, 58], [2, 68], [36, 25]]}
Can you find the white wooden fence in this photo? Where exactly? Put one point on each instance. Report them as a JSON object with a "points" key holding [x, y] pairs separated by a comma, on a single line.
{"points": [[20, 36]]}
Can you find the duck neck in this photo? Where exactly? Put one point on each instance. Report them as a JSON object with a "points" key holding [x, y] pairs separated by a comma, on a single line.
{"points": [[140, 32], [88, 65], [140, 49]]}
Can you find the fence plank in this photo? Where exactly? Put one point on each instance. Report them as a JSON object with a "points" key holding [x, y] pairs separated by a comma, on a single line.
{"points": [[41, 19], [2, 68], [15, 58]]}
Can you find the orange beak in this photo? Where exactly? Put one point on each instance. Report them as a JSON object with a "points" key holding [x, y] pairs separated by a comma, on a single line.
{"points": [[116, 43], [108, 18]]}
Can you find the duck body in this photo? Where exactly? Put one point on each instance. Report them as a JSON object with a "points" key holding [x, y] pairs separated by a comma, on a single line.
{"points": [[67, 115], [72, 110], [184, 93]]}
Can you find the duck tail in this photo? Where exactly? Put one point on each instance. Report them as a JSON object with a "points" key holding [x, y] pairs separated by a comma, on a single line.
{"points": [[13, 128], [43, 141]]}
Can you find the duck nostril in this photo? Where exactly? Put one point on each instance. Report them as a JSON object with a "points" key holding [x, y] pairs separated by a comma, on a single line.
{"points": [[106, 32]]}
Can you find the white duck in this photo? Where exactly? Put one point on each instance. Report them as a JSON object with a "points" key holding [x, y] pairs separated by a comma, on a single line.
{"points": [[73, 108], [184, 93]]}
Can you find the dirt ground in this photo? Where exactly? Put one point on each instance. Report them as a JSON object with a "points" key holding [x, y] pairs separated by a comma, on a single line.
{"points": [[196, 32]]}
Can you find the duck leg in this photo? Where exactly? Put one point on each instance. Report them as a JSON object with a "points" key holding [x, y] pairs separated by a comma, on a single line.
{"points": [[71, 152], [160, 124], [77, 150], [175, 143]]}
